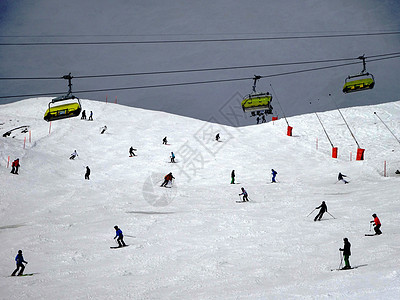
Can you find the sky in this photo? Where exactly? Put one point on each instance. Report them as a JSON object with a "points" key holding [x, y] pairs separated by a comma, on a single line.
{"points": [[94, 21], [193, 240]]}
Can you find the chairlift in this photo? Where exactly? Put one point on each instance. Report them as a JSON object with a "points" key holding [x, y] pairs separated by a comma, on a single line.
{"points": [[68, 110], [354, 84], [256, 102]]}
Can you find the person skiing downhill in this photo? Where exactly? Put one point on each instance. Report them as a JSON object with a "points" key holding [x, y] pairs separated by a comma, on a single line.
{"points": [[131, 153], [346, 253], [323, 209], [73, 155], [217, 137], [245, 195], [164, 141], [377, 224], [233, 177], [119, 236], [273, 175], [167, 179], [19, 260], [340, 178], [87, 174], [103, 129], [172, 157]]}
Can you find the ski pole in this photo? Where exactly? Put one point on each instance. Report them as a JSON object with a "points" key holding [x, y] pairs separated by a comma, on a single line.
{"points": [[370, 225], [311, 212], [331, 215]]}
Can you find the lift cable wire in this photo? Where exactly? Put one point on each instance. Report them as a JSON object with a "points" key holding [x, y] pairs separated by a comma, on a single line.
{"points": [[197, 82], [201, 40], [199, 70]]}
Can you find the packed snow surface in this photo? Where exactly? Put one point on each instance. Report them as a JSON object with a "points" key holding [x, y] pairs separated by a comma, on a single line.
{"points": [[193, 240]]}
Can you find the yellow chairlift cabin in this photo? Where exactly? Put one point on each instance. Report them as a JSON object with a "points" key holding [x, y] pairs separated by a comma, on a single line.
{"points": [[257, 103], [354, 84], [72, 107]]}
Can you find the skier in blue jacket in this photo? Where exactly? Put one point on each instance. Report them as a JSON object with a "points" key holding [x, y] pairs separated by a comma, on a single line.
{"points": [[273, 175], [245, 195], [119, 236], [20, 260]]}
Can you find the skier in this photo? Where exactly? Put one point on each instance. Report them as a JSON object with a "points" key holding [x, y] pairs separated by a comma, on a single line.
{"points": [[258, 120], [167, 179], [263, 119], [103, 129], [323, 209], [20, 260], [119, 236], [91, 116], [340, 178], [377, 224], [83, 115], [164, 141], [15, 165], [87, 174], [131, 153], [217, 137], [233, 177], [273, 175], [74, 154], [245, 195], [346, 253], [172, 157]]}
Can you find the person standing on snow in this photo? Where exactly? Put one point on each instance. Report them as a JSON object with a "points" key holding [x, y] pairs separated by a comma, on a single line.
{"points": [[19, 260], [340, 178], [91, 116], [14, 166], [119, 236], [74, 154], [131, 153], [172, 157], [346, 253], [273, 175], [245, 195], [217, 137], [233, 177], [167, 179], [377, 224], [87, 174], [83, 115], [164, 141], [323, 209]]}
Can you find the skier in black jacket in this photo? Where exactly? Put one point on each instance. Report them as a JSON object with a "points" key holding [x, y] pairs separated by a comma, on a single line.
{"points": [[20, 260], [340, 178], [346, 253], [323, 209]]}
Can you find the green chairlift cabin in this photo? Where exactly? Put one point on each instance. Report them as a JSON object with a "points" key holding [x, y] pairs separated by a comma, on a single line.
{"points": [[359, 82], [257, 103], [72, 107]]}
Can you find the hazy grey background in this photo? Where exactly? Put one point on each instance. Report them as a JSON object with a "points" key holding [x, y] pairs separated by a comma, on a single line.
{"points": [[103, 20]]}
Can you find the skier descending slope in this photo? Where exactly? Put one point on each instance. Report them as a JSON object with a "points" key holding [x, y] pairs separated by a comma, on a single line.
{"points": [[245, 195], [233, 177], [323, 209], [20, 260], [377, 224], [167, 179], [119, 236], [340, 178]]}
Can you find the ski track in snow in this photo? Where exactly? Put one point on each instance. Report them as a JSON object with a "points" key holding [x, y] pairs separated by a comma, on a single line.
{"points": [[194, 240]]}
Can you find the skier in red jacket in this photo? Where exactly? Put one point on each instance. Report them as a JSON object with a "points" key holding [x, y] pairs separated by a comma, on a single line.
{"points": [[377, 224]]}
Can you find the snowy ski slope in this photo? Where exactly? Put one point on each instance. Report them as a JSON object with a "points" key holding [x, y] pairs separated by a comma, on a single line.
{"points": [[193, 241]]}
